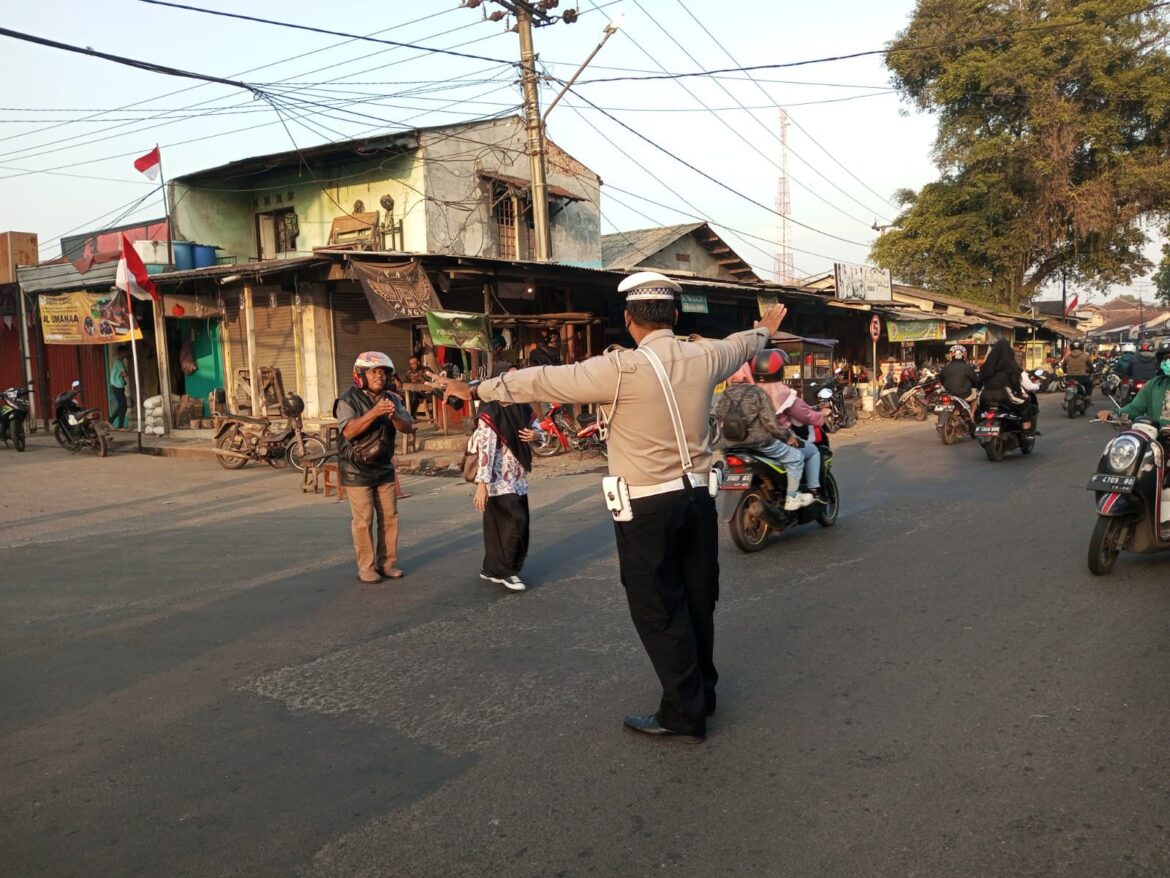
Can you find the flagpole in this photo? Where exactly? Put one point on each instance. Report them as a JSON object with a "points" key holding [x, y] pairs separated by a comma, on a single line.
{"points": [[166, 208], [134, 355]]}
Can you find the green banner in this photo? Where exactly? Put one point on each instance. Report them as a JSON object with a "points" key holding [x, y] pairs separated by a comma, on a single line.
{"points": [[916, 330], [694, 303], [460, 329]]}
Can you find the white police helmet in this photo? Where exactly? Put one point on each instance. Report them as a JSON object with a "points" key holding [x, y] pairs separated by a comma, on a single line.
{"points": [[644, 286]]}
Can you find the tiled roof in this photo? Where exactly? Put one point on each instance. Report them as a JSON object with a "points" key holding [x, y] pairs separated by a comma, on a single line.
{"points": [[627, 249]]}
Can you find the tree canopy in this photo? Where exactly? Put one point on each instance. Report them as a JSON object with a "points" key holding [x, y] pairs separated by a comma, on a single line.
{"points": [[1053, 127]]}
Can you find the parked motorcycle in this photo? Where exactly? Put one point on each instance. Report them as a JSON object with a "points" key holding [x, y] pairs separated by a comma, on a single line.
{"points": [[999, 428], [239, 439], [1075, 402], [1121, 390], [75, 427], [955, 419], [841, 413], [896, 401], [752, 493], [1132, 502], [13, 414], [561, 434]]}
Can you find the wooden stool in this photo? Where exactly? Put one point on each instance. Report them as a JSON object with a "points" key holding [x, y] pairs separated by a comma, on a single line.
{"points": [[331, 482]]}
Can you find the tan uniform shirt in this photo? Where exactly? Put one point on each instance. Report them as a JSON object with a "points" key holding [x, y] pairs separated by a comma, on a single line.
{"points": [[642, 445]]}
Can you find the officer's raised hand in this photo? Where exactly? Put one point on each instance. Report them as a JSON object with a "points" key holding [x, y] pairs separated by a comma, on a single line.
{"points": [[772, 318]]}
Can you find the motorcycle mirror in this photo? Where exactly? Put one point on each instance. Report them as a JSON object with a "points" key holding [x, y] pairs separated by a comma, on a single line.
{"points": [[76, 385]]}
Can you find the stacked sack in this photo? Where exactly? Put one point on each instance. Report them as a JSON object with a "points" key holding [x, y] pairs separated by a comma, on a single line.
{"points": [[153, 423]]}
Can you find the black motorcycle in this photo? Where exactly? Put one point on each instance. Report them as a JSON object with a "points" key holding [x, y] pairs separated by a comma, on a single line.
{"points": [[1129, 486], [239, 439], [13, 414], [955, 419], [999, 428], [753, 489], [1075, 402], [842, 413], [75, 427]]}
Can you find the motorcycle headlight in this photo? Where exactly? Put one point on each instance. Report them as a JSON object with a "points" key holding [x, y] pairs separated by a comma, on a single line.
{"points": [[1122, 454]]}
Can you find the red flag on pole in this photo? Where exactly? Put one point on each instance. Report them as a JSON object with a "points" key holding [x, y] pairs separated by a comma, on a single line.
{"points": [[132, 277], [1071, 306], [149, 164]]}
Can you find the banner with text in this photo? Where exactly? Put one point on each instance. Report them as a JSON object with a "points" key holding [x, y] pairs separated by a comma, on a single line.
{"points": [[86, 318], [396, 290], [459, 329], [916, 330]]}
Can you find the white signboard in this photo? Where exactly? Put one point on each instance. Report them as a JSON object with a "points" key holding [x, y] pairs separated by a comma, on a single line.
{"points": [[862, 282]]}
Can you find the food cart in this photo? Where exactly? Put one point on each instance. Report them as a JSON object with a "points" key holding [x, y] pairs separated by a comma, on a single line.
{"points": [[811, 363]]}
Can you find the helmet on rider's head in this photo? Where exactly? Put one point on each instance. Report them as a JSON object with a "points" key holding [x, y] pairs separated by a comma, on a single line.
{"points": [[370, 360], [1077, 345], [1145, 346], [1128, 348], [1163, 350], [768, 365], [292, 406], [958, 351]]}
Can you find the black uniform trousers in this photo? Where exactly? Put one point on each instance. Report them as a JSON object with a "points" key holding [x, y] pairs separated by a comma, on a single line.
{"points": [[505, 534], [669, 559]]}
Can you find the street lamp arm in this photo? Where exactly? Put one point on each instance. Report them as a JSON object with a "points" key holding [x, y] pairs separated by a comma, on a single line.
{"points": [[610, 30]]}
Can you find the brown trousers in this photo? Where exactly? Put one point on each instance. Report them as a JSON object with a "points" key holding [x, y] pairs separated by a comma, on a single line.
{"points": [[375, 516]]}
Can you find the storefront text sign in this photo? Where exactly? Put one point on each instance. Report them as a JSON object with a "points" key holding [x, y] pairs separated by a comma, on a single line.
{"points": [[694, 303], [86, 318], [916, 330], [459, 329]]}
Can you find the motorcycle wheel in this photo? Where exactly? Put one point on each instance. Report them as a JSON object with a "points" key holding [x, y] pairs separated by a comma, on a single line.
{"points": [[749, 529], [920, 412], [850, 414], [994, 450], [884, 409], [547, 447], [232, 440], [952, 429], [101, 443], [1028, 444], [603, 448], [313, 446], [18, 436], [828, 516], [1103, 545], [64, 441], [1071, 410]]}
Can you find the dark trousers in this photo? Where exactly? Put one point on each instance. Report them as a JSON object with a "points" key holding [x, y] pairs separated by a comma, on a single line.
{"points": [[669, 557], [118, 415], [505, 534]]}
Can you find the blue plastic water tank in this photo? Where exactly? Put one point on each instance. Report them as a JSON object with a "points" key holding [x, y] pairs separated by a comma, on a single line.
{"points": [[183, 255], [204, 255]]}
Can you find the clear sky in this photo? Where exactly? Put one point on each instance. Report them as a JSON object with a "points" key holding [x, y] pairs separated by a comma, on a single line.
{"points": [[853, 143]]}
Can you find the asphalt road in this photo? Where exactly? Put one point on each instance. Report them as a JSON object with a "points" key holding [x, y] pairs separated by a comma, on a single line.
{"points": [[193, 684]]}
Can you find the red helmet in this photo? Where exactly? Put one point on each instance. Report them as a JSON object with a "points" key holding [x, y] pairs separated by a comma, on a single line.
{"points": [[768, 365], [1145, 346]]}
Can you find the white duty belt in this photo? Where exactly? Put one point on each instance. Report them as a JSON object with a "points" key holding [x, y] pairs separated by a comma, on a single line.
{"points": [[690, 480]]}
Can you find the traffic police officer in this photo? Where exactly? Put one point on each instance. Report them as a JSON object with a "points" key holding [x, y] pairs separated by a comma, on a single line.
{"points": [[668, 550]]}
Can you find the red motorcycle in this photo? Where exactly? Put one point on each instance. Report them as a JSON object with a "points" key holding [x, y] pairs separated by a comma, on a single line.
{"points": [[561, 434]]}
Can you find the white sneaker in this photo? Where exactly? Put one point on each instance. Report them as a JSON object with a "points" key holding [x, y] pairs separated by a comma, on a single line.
{"points": [[512, 583], [799, 501]]}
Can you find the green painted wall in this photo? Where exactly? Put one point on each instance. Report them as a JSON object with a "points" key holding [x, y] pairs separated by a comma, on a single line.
{"points": [[204, 335]]}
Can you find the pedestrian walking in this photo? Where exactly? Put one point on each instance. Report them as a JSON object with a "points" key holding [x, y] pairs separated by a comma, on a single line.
{"points": [[501, 486], [654, 402], [119, 377], [369, 417]]}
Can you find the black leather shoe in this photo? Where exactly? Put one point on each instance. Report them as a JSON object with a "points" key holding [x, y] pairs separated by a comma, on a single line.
{"points": [[648, 725]]}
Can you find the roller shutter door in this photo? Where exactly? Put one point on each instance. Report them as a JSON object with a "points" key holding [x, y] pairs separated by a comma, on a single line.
{"points": [[355, 330], [275, 341]]}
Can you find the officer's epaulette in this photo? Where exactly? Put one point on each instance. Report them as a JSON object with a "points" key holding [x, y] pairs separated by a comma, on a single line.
{"points": [[616, 348]]}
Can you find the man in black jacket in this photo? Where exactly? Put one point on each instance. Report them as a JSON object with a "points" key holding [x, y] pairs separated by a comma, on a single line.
{"points": [[368, 417], [958, 376]]}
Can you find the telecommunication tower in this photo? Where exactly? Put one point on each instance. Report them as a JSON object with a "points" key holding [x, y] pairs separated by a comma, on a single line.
{"points": [[783, 266]]}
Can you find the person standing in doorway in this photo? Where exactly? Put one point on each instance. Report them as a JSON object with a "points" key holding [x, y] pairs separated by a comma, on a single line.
{"points": [[119, 378], [502, 435], [369, 417], [655, 402]]}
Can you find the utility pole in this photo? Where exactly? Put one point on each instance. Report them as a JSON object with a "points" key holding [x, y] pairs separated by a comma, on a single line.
{"points": [[529, 14]]}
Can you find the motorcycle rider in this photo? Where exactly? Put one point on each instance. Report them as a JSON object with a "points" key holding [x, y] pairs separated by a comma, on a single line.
{"points": [[1076, 364], [1153, 400], [763, 433], [959, 377], [1144, 364]]}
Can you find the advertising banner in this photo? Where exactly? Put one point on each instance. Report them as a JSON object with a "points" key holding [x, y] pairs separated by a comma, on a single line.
{"points": [[86, 318], [459, 329], [861, 282], [916, 330], [397, 290]]}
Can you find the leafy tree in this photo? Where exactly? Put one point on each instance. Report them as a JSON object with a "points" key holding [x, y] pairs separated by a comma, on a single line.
{"points": [[1162, 276], [1053, 128]]}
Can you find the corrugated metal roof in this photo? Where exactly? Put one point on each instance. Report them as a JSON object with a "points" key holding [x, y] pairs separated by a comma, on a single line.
{"points": [[60, 277], [244, 269]]}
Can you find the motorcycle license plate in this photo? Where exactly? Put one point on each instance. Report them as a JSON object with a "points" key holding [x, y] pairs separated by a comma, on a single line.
{"points": [[987, 430], [944, 408], [1116, 484], [735, 482]]}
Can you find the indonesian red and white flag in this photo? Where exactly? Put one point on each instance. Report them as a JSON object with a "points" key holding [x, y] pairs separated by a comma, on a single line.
{"points": [[149, 164], [132, 276], [1071, 306]]}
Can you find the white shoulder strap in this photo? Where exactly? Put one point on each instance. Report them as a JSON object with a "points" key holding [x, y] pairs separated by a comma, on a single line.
{"points": [[672, 404]]}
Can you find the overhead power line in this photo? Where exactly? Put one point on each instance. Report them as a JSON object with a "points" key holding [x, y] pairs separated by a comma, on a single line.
{"points": [[321, 30]]}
